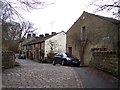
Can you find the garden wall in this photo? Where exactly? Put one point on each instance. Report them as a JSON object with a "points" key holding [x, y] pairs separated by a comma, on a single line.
{"points": [[8, 59], [105, 60]]}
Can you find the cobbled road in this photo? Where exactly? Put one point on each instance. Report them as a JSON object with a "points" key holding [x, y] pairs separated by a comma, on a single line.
{"points": [[31, 74]]}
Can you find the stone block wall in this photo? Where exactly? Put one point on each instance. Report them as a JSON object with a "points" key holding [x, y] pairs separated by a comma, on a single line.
{"points": [[106, 61], [8, 59]]}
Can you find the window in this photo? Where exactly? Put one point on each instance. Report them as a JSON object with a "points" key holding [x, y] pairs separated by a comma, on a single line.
{"points": [[70, 50], [83, 33]]}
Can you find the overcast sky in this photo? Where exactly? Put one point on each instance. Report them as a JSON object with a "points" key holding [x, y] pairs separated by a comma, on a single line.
{"points": [[59, 16]]}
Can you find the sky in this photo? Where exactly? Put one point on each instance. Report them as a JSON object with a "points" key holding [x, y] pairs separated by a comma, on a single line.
{"points": [[59, 16]]}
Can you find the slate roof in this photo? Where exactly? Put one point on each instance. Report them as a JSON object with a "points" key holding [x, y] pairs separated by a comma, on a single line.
{"points": [[38, 40]]}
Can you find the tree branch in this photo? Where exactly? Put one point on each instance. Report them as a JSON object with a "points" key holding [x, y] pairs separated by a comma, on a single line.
{"points": [[108, 5]]}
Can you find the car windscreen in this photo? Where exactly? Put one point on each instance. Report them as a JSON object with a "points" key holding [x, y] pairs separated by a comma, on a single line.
{"points": [[68, 55]]}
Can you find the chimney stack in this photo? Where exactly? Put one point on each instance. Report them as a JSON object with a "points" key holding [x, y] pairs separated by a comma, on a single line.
{"points": [[46, 34], [53, 33], [28, 36], [41, 35], [34, 35]]}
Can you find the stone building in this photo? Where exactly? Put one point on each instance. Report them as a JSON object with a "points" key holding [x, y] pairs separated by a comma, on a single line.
{"points": [[91, 31], [29, 38], [38, 49]]}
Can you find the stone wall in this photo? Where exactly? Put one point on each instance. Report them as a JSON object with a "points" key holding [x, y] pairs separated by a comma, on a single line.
{"points": [[105, 60], [8, 59]]}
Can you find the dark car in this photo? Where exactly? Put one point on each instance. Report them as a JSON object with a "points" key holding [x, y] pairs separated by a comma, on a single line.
{"points": [[65, 59], [22, 56]]}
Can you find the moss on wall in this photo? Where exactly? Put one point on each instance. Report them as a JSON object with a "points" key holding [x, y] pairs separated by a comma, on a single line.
{"points": [[106, 61], [101, 33]]}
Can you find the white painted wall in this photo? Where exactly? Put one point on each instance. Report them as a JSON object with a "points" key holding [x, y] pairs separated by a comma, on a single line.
{"points": [[60, 40]]}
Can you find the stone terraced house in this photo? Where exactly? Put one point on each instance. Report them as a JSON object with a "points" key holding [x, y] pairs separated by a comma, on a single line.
{"points": [[92, 31], [39, 48], [29, 38]]}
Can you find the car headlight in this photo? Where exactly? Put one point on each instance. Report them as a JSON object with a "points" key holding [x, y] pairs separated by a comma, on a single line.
{"points": [[68, 58]]}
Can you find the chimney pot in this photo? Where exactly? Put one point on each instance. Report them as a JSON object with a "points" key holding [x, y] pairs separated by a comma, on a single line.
{"points": [[53, 33], [28, 36], [46, 34], [41, 35], [34, 35]]}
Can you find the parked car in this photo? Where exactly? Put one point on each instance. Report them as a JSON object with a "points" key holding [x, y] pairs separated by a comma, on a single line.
{"points": [[65, 59], [22, 56]]}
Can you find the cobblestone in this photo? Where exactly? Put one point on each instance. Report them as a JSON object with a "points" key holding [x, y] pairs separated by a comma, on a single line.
{"points": [[32, 74]]}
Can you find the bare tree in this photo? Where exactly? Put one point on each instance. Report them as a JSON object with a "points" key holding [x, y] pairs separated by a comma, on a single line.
{"points": [[10, 8], [9, 11], [10, 31], [27, 27], [15, 31], [81, 44], [108, 5], [53, 45]]}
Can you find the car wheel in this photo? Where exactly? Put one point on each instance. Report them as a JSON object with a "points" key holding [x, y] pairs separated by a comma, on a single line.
{"points": [[54, 62], [78, 65], [63, 62]]}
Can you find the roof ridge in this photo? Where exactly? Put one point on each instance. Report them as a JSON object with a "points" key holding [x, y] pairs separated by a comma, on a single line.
{"points": [[104, 17], [40, 39]]}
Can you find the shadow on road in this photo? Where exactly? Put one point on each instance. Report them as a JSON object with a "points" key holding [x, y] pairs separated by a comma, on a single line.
{"points": [[94, 78]]}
